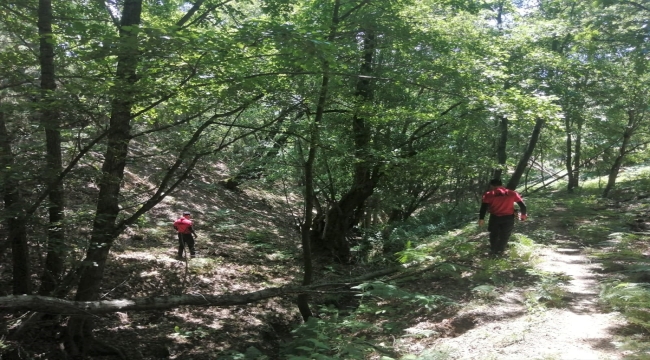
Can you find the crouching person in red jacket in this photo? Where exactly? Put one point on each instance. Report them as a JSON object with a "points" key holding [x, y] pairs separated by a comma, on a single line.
{"points": [[186, 234], [500, 202]]}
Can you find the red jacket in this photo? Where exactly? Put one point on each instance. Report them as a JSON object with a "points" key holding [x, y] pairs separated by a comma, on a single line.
{"points": [[501, 201], [183, 225]]}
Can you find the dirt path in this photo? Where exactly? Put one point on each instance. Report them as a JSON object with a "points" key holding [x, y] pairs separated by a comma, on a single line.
{"points": [[506, 329]]}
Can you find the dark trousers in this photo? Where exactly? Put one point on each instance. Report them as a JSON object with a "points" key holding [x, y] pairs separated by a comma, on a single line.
{"points": [[500, 228], [185, 239]]}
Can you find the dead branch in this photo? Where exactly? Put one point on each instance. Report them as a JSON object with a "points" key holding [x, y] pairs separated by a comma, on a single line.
{"points": [[54, 305]]}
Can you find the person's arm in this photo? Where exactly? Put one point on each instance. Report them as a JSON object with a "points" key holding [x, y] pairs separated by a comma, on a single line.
{"points": [[522, 210], [192, 230], [482, 212]]}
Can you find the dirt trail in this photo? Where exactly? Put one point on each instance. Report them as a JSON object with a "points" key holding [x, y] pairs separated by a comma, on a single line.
{"points": [[578, 331]]}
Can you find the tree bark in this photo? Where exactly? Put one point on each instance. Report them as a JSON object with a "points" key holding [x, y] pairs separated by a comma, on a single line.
{"points": [[14, 213], [525, 157], [80, 340], [502, 155], [622, 151], [50, 121], [348, 210], [568, 161], [577, 158], [53, 305], [68, 307]]}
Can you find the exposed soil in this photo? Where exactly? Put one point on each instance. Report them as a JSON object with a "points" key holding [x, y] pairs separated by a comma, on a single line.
{"points": [[247, 242], [508, 329]]}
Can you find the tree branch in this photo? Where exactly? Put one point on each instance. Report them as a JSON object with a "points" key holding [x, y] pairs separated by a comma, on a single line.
{"points": [[54, 305]]}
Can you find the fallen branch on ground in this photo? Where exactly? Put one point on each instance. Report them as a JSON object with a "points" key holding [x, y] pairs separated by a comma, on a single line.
{"points": [[54, 305]]}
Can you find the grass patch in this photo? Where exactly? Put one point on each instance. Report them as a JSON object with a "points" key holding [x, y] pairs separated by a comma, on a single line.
{"points": [[203, 266], [549, 291]]}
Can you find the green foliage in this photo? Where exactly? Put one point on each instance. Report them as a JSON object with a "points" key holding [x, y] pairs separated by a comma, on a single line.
{"points": [[3, 345], [549, 290], [486, 292], [387, 291], [523, 248], [332, 336], [197, 334], [257, 237], [328, 337], [410, 254], [632, 299], [204, 265]]}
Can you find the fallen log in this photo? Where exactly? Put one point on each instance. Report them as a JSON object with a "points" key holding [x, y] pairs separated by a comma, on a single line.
{"points": [[52, 305]]}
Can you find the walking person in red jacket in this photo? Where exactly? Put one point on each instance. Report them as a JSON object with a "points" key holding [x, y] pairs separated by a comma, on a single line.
{"points": [[186, 234], [500, 202]]}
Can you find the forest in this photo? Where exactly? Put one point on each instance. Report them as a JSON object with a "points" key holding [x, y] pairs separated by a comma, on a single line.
{"points": [[332, 154]]}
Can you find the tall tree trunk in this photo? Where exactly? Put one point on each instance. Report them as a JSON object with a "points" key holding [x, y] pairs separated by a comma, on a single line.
{"points": [[576, 158], [15, 220], [568, 161], [306, 230], [525, 157], [104, 225], [50, 120], [347, 211], [305, 234], [502, 155]]}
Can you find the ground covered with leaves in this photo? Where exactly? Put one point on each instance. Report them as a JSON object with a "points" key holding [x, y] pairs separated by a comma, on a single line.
{"points": [[573, 285]]}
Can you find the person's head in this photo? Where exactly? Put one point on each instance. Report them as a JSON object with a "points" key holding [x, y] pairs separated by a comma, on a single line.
{"points": [[186, 214], [495, 183]]}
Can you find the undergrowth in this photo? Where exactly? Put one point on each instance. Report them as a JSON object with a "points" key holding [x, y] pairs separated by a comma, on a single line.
{"points": [[454, 254]]}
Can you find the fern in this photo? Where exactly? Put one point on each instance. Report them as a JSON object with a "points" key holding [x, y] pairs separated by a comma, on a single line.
{"points": [[632, 299]]}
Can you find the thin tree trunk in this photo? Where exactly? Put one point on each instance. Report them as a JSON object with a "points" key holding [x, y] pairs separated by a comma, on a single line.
{"points": [[568, 161], [50, 120], [15, 221], [622, 151], [306, 230], [502, 155], [523, 161], [577, 157]]}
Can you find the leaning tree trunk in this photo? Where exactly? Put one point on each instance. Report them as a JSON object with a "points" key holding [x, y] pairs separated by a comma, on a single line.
{"points": [[347, 212], [15, 221], [80, 340], [523, 161], [502, 155], [50, 120], [622, 151]]}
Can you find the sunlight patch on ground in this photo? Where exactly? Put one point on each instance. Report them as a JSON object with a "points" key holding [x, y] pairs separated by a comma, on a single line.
{"points": [[139, 255], [149, 273]]}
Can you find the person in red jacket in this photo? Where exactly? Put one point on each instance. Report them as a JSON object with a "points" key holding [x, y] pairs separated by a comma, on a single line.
{"points": [[186, 234], [500, 202]]}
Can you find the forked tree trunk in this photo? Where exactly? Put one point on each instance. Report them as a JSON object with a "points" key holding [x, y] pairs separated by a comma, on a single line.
{"points": [[347, 212], [15, 220], [50, 120]]}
